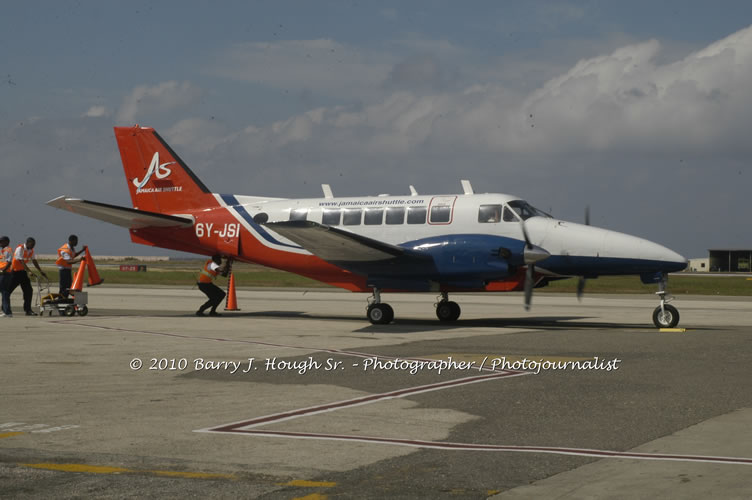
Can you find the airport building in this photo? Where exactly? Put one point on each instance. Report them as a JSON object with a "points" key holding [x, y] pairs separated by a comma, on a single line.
{"points": [[701, 265], [729, 261]]}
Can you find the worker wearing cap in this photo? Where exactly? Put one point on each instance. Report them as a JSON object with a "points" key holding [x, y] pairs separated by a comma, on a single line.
{"points": [[6, 258], [215, 294], [66, 257], [21, 256]]}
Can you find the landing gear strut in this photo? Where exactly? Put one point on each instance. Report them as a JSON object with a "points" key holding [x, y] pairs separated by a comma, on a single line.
{"points": [[665, 315], [379, 313], [446, 310]]}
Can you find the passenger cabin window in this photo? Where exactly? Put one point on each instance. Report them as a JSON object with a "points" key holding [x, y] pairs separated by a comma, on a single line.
{"points": [[351, 217], [395, 215], [299, 214], [373, 216], [416, 215], [489, 213], [440, 215], [331, 216]]}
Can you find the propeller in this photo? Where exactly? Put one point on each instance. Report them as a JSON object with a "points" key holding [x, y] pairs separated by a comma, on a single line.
{"points": [[531, 254], [581, 281]]}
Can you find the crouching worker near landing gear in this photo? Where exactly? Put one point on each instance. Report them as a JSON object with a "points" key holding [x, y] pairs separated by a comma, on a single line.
{"points": [[211, 269]]}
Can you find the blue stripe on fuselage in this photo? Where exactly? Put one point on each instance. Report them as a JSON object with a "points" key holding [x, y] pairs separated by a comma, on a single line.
{"points": [[232, 202], [597, 266]]}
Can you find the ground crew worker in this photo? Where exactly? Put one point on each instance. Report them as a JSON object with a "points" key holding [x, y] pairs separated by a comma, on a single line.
{"points": [[6, 259], [23, 254], [66, 257], [211, 269]]}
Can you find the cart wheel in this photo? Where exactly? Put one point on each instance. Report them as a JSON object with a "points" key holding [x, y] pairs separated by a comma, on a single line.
{"points": [[83, 311], [70, 310]]}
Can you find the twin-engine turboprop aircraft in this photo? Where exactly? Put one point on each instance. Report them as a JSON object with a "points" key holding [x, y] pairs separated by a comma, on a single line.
{"points": [[415, 243]]}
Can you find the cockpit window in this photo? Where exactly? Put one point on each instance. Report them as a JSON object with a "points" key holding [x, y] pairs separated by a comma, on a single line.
{"points": [[509, 215], [525, 210]]}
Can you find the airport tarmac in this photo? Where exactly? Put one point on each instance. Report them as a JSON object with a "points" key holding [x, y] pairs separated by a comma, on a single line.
{"points": [[140, 398]]}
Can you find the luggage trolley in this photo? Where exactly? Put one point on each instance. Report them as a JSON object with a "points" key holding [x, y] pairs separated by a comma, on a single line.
{"points": [[49, 302]]}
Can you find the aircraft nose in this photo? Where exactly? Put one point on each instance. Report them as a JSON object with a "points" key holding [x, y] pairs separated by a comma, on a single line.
{"points": [[624, 244], [674, 262]]}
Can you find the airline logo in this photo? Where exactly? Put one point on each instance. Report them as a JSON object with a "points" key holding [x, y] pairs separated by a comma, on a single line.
{"points": [[161, 171]]}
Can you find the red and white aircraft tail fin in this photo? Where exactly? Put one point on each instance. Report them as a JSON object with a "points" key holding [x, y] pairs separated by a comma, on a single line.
{"points": [[158, 180]]}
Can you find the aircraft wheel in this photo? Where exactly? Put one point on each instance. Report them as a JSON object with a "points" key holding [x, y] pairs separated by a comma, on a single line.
{"points": [[83, 311], [447, 311], [668, 318], [70, 310], [380, 314]]}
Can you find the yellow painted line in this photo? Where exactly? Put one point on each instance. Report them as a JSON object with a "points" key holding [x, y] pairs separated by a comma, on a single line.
{"points": [[92, 469], [9, 434], [191, 475], [302, 483], [672, 330], [99, 469], [312, 496]]}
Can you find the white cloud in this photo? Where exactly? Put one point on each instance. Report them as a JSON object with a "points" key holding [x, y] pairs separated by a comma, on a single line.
{"points": [[96, 112], [165, 96], [622, 100]]}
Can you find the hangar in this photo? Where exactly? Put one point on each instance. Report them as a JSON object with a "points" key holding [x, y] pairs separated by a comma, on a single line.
{"points": [[730, 261]]}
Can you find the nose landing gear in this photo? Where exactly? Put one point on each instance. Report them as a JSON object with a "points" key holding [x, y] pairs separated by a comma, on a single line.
{"points": [[665, 315]]}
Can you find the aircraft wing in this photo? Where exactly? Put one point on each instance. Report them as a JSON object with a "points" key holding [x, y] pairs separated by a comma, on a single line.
{"points": [[120, 216], [336, 245]]}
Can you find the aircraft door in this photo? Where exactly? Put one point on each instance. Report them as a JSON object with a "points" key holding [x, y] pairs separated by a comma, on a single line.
{"points": [[441, 210]]}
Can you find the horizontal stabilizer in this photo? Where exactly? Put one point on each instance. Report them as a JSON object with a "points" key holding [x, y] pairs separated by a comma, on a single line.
{"points": [[335, 245], [120, 216]]}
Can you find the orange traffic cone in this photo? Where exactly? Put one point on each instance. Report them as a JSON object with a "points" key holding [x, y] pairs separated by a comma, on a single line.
{"points": [[94, 278], [232, 300], [78, 280]]}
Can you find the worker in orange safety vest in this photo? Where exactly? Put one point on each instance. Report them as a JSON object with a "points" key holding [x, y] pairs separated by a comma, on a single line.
{"points": [[21, 256], [211, 269], [6, 259], [66, 257]]}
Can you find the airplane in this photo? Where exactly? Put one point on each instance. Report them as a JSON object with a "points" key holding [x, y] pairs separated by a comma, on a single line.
{"points": [[445, 243]]}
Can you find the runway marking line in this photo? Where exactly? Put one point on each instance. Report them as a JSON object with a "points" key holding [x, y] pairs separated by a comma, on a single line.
{"points": [[349, 403], [10, 434], [92, 469], [102, 469], [235, 428], [302, 483], [312, 496]]}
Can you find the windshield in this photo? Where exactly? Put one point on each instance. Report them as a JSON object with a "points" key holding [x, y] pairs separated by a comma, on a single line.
{"points": [[525, 210]]}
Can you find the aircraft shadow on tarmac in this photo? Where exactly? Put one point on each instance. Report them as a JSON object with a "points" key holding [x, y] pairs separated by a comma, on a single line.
{"points": [[407, 325]]}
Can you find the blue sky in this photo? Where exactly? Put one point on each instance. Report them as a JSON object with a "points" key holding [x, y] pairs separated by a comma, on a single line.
{"points": [[639, 109]]}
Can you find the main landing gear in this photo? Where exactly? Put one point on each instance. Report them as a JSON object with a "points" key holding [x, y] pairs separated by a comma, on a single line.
{"points": [[446, 310], [665, 315], [379, 313]]}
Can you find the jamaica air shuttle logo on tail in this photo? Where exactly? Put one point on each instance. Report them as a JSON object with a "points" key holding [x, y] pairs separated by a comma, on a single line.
{"points": [[161, 171]]}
